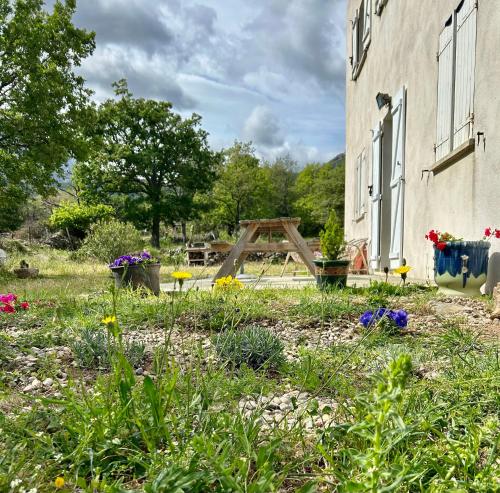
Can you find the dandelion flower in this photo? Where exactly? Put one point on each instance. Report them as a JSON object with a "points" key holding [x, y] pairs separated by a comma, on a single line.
{"points": [[404, 269], [59, 482], [111, 319], [181, 275]]}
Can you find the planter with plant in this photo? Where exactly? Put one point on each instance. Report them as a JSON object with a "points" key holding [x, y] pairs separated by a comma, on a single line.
{"points": [[139, 270], [331, 269], [460, 267]]}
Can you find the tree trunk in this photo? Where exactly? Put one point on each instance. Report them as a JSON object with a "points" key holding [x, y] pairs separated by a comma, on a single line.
{"points": [[155, 232], [184, 234]]}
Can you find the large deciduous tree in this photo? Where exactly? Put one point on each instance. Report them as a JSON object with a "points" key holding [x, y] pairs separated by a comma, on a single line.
{"points": [[242, 189], [148, 161], [318, 189], [42, 100]]}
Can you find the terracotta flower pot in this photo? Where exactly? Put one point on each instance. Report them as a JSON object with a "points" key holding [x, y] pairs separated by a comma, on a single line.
{"points": [[331, 273], [138, 276], [461, 267]]}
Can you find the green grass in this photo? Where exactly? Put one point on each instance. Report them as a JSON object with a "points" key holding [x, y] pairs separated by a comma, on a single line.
{"points": [[417, 411]]}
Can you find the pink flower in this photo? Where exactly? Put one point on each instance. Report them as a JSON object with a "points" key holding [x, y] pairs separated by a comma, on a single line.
{"points": [[25, 305], [8, 298]]}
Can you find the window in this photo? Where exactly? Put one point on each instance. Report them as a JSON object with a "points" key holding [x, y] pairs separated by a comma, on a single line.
{"points": [[361, 34], [379, 6], [456, 58], [360, 191]]}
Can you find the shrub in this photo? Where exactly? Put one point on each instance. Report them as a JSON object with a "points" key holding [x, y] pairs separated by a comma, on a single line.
{"points": [[332, 238], [254, 346], [77, 218], [111, 239], [94, 349]]}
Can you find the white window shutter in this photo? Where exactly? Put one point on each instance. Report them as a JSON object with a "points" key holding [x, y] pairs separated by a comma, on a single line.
{"points": [[379, 6], [355, 41], [397, 178], [357, 194], [445, 91], [466, 21], [367, 23], [362, 184], [376, 196]]}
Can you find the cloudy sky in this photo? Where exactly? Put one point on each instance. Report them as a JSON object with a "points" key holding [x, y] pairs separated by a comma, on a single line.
{"points": [[269, 71]]}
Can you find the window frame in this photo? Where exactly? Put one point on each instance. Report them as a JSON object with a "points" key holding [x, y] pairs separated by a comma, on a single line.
{"points": [[363, 36]]}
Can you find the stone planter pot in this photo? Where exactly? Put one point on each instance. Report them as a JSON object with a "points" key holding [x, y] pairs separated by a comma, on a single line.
{"points": [[331, 273], [461, 268], [138, 276]]}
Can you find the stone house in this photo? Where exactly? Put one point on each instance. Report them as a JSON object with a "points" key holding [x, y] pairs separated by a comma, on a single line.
{"points": [[422, 126]]}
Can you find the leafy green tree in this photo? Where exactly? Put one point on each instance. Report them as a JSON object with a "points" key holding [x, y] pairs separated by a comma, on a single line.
{"points": [[148, 160], [77, 218], [320, 188], [12, 208], [282, 174], [42, 101], [241, 191]]}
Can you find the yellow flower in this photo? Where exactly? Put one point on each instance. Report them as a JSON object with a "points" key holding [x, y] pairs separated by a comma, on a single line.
{"points": [[228, 282], [404, 269], [59, 482], [111, 319], [181, 276]]}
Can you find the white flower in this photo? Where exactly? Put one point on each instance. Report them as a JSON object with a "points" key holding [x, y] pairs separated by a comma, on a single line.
{"points": [[15, 483]]}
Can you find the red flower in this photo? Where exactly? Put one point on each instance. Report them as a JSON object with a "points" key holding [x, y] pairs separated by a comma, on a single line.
{"points": [[441, 245], [7, 308], [487, 232], [25, 305], [497, 233]]}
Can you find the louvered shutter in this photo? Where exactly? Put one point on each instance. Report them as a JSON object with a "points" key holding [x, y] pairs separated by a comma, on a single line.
{"points": [[355, 41], [362, 184], [466, 21], [367, 24], [376, 196], [357, 194], [445, 91], [397, 178]]}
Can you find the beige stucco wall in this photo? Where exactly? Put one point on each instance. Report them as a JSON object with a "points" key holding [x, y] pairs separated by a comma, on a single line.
{"points": [[465, 197]]}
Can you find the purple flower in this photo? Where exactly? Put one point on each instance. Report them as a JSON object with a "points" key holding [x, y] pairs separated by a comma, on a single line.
{"points": [[367, 318], [399, 317], [135, 259]]}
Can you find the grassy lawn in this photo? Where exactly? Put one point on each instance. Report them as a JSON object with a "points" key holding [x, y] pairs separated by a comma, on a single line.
{"points": [[243, 390]]}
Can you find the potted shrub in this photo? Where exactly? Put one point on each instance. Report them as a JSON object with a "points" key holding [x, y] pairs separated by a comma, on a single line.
{"points": [[331, 270], [139, 270], [460, 267]]}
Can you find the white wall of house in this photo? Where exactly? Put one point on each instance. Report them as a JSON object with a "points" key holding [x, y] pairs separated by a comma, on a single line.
{"points": [[462, 198]]}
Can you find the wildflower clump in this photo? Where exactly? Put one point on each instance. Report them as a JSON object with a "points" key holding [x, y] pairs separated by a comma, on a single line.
{"points": [[390, 321], [9, 303], [228, 283]]}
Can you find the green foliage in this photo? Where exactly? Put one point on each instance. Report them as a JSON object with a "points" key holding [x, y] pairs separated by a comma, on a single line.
{"points": [[332, 238], [78, 218], [109, 239], [319, 188], [148, 161], [94, 349], [12, 208], [241, 191], [42, 101], [253, 346]]}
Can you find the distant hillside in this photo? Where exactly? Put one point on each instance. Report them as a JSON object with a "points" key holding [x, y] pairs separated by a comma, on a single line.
{"points": [[338, 160]]}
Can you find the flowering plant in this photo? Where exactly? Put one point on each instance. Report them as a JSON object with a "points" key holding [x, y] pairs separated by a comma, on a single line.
{"points": [[440, 239], [490, 233], [9, 303], [392, 318], [228, 283], [134, 259]]}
